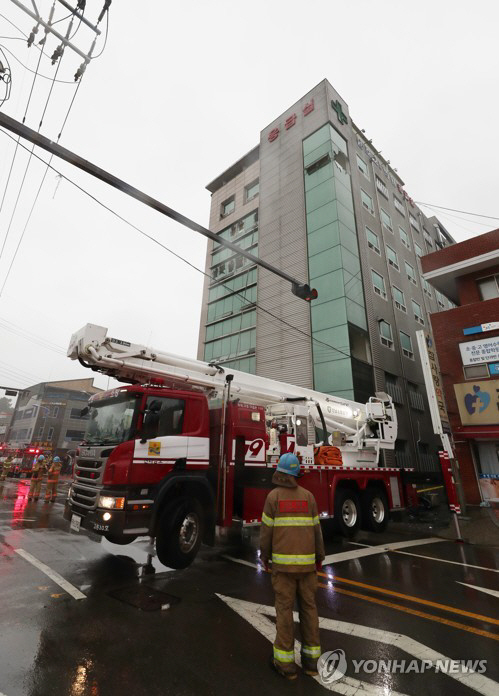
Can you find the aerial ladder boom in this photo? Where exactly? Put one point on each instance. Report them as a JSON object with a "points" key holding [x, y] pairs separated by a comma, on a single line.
{"points": [[135, 363]]}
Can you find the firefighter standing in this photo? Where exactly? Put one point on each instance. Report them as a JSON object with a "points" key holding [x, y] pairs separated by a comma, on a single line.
{"points": [[6, 468], [36, 477], [291, 536], [53, 480]]}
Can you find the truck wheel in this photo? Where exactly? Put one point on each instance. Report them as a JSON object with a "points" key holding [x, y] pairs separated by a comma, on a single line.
{"points": [[180, 532], [347, 514], [375, 509], [120, 540]]}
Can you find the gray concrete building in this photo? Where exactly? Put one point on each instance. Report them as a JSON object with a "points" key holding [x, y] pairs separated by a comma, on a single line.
{"points": [[48, 415], [316, 199]]}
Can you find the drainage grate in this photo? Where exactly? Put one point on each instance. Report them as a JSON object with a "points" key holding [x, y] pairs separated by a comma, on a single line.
{"points": [[145, 597]]}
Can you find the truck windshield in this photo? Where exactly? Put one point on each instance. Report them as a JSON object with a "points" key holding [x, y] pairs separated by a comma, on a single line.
{"points": [[110, 422]]}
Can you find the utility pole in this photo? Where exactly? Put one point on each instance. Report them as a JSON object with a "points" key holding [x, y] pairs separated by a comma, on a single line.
{"points": [[301, 290], [77, 13]]}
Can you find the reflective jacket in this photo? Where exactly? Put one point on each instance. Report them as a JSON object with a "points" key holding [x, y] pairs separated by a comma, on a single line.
{"points": [[290, 533], [53, 472]]}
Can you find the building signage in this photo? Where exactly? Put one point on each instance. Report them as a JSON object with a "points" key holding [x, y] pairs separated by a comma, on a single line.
{"points": [[433, 382], [290, 121], [494, 369], [478, 402], [477, 352], [339, 111], [490, 326]]}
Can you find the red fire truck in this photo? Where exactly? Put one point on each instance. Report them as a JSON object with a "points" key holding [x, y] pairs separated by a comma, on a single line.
{"points": [[22, 459], [189, 446]]}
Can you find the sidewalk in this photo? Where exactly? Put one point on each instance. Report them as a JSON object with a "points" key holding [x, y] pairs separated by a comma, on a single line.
{"points": [[477, 527]]}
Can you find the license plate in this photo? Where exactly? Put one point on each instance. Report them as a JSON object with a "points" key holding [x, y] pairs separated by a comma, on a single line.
{"points": [[75, 523]]}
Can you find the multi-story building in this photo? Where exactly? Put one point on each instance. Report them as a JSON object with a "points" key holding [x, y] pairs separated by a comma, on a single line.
{"points": [[467, 343], [48, 415], [5, 418], [316, 199]]}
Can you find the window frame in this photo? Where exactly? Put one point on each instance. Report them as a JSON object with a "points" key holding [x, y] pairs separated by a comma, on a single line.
{"points": [[393, 264], [405, 351], [223, 204], [377, 249], [399, 305], [364, 173], [383, 212], [376, 289], [406, 242], [371, 209], [413, 279], [247, 199], [387, 342]]}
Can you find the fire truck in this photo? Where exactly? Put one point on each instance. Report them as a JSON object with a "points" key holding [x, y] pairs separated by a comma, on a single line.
{"points": [[188, 448], [22, 459]]}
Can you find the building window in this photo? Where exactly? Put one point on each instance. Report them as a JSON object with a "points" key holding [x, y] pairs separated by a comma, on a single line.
{"points": [[227, 207], [414, 222], [416, 399], [40, 433], [381, 186], [385, 333], [393, 388], [404, 238], [418, 250], [428, 239], [399, 299], [426, 287], [76, 414], [75, 435], [379, 284], [252, 190], [386, 220], [55, 411], [406, 343], [50, 434], [367, 201], [489, 287], [362, 167], [418, 312], [372, 240], [399, 205], [392, 257], [411, 273], [440, 299], [476, 371]]}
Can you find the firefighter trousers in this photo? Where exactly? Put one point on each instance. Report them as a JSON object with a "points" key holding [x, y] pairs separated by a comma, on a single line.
{"points": [[35, 488], [51, 490], [303, 588]]}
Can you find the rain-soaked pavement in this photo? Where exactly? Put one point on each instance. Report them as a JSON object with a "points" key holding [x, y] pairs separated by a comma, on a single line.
{"points": [[208, 629]]}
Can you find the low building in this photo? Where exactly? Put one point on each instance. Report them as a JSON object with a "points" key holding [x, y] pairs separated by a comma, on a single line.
{"points": [[467, 345], [48, 415], [5, 419]]}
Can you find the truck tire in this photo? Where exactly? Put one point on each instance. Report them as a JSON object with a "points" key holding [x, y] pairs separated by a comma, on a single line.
{"points": [[347, 512], [120, 540], [375, 509], [180, 532]]}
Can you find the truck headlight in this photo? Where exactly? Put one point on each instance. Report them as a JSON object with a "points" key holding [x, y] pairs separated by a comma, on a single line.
{"points": [[110, 503]]}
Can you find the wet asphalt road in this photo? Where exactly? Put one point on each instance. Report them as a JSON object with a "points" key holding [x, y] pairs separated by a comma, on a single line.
{"points": [[212, 634]]}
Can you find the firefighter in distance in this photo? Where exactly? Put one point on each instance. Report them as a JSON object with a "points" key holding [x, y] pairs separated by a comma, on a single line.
{"points": [[53, 480], [6, 468], [291, 537], [36, 477]]}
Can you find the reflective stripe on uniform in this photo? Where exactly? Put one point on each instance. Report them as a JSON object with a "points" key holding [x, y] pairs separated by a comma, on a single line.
{"points": [[293, 559], [267, 520], [316, 520], [294, 522], [284, 655], [311, 650]]}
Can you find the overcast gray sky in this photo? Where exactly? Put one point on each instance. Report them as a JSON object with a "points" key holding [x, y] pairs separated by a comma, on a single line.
{"points": [[180, 92]]}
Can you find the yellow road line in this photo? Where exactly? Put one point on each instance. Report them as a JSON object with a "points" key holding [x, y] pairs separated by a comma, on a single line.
{"points": [[415, 612], [424, 490], [410, 598]]}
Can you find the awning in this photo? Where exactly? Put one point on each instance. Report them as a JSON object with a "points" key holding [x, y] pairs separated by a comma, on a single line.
{"points": [[477, 432]]}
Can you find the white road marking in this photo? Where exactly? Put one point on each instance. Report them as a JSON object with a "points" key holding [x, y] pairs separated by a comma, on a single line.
{"points": [[373, 550], [58, 579], [440, 560], [494, 593], [254, 614], [242, 562]]}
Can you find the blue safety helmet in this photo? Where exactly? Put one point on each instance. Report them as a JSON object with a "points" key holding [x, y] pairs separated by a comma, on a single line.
{"points": [[56, 459], [41, 457], [289, 464]]}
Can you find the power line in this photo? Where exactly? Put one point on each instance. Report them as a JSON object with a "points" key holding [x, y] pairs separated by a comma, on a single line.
{"points": [[45, 77], [432, 205], [156, 241]]}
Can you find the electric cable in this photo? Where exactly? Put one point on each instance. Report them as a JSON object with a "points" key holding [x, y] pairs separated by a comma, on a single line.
{"points": [[456, 217], [156, 241], [45, 77], [432, 205], [105, 38], [9, 325]]}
